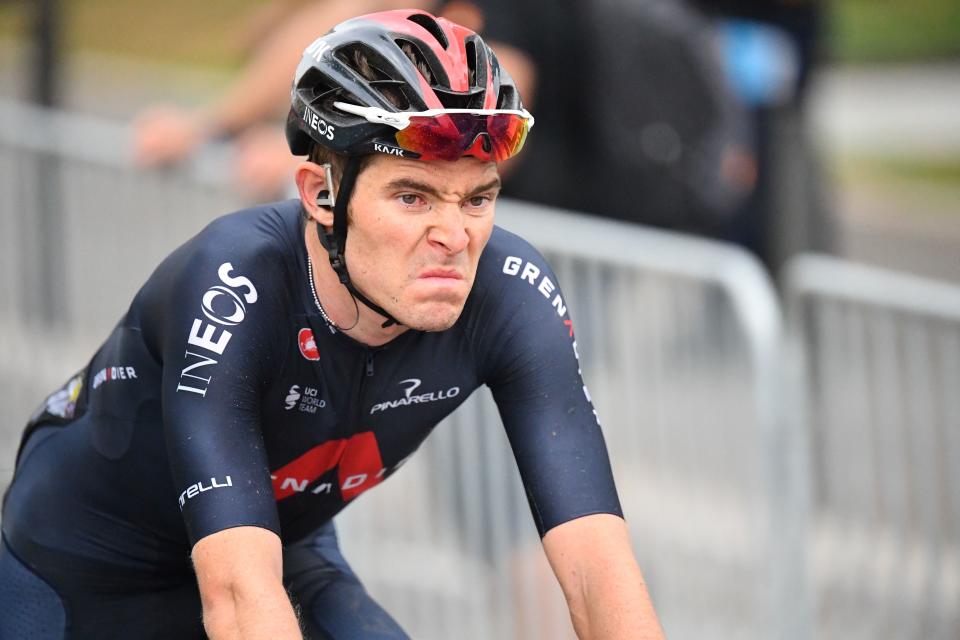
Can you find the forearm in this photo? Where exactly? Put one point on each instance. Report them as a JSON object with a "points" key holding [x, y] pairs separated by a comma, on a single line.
{"points": [[600, 578], [242, 613], [262, 90], [240, 575], [616, 605]]}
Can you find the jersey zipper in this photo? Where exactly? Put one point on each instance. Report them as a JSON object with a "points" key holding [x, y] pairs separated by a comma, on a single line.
{"points": [[369, 369], [358, 400]]}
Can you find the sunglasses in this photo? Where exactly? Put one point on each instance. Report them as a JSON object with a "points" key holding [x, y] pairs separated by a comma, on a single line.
{"points": [[448, 134]]}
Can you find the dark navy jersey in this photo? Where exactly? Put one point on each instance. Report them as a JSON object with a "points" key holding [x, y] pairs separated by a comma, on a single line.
{"points": [[223, 398]]}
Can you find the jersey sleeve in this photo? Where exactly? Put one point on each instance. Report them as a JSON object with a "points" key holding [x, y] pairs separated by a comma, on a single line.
{"points": [[215, 315], [532, 366]]}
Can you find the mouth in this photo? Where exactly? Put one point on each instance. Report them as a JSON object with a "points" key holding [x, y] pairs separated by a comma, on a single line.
{"points": [[447, 275]]}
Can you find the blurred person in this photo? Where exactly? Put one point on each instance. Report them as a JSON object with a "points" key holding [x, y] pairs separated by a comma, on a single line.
{"points": [[168, 134], [257, 384], [699, 106], [667, 140], [245, 112], [662, 118], [772, 49]]}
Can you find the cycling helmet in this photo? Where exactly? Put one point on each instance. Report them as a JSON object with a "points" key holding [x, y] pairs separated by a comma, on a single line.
{"points": [[403, 60]]}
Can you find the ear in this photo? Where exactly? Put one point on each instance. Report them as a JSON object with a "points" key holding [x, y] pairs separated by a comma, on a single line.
{"points": [[311, 180]]}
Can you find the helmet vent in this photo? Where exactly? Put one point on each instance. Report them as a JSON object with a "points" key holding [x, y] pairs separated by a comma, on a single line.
{"points": [[428, 23], [316, 86], [363, 60], [471, 47], [394, 92], [509, 97], [412, 51]]}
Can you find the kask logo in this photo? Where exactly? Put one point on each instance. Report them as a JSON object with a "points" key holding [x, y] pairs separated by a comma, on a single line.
{"points": [[308, 344], [409, 386], [390, 151]]}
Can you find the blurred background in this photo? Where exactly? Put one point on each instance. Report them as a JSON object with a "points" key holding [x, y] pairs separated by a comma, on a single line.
{"points": [[880, 107], [763, 263]]}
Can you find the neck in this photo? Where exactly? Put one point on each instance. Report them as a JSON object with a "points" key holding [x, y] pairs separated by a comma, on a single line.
{"points": [[339, 304]]}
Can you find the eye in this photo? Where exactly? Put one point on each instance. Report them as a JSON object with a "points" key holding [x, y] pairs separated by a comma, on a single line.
{"points": [[477, 202], [411, 199]]}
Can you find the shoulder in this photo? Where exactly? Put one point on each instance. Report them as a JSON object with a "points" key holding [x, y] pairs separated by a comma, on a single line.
{"points": [[516, 307], [515, 270], [233, 262], [502, 251], [225, 295], [263, 232], [259, 243]]}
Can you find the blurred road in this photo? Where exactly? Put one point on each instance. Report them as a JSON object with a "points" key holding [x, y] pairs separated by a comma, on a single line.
{"points": [[907, 113], [890, 110], [896, 112]]}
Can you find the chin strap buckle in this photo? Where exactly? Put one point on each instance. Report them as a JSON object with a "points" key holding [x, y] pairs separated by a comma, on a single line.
{"points": [[329, 242]]}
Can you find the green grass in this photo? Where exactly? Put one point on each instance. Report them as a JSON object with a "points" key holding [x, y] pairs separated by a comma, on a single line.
{"points": [[203, 32], [190, 32], [945, 172], [894, 30], [927, 174]]}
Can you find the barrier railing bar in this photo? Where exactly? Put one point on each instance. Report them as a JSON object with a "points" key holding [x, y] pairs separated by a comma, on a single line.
{"points": [[94, 139], [833, 277]]}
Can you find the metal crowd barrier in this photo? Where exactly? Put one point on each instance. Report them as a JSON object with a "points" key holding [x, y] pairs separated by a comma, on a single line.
{"points": [[879, 407], [80, 231]]}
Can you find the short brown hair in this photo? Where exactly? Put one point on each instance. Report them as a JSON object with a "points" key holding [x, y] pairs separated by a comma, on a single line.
{"points": [[337, 161]]}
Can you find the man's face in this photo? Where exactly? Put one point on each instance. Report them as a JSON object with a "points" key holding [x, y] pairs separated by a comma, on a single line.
{"points": [[416, 233]]}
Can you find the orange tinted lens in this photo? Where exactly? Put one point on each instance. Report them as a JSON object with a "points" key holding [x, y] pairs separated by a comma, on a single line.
{"points": [[507, 132], [433, 138], [448, 136]]}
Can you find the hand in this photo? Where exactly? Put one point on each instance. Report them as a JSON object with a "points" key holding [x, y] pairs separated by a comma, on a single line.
{"points": [[164, 135], [264, 167]]}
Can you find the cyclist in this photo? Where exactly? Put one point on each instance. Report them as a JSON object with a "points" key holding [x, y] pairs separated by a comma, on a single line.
{"points": [[293, 355]]}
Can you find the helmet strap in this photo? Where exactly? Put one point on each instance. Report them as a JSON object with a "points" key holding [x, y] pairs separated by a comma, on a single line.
{"points": [[335, 242]]}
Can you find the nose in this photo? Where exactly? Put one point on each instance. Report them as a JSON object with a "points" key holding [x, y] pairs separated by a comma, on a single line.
{"points": [[449, 230]]}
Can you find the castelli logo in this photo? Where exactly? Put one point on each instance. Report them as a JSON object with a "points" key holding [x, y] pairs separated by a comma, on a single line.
{"points": [[308, 345]]}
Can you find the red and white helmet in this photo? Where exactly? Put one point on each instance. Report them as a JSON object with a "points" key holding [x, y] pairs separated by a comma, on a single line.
{"points": [[395, 61]]}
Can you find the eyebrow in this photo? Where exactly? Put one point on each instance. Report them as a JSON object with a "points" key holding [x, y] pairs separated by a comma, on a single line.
{"points": [[416, 185]]}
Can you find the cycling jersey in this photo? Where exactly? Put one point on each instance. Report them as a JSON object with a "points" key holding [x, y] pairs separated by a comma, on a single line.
{"points": [[223, 398]]}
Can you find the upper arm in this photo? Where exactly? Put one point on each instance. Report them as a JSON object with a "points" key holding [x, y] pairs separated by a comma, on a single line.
{"points": [[217, 345], [532, 367]]}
